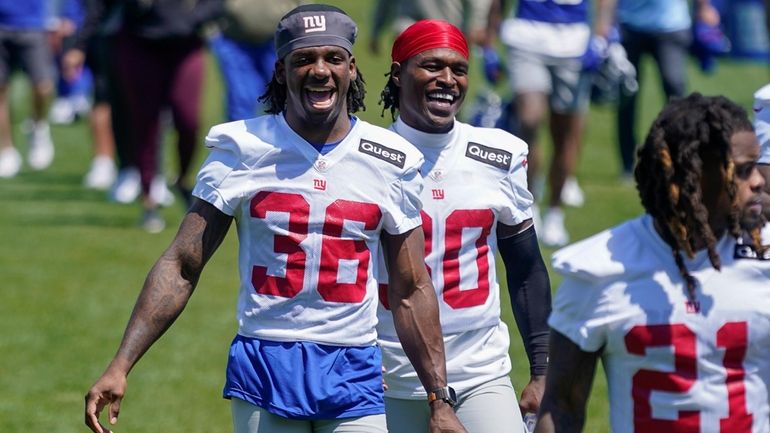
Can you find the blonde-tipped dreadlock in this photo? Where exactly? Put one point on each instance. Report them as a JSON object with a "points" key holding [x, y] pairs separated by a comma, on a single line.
{"points": [[685, 134]]}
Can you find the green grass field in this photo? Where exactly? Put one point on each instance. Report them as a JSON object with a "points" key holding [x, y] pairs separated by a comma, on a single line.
{"points": [[71, 265]]}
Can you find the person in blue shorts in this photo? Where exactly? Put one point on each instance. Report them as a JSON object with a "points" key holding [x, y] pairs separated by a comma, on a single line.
{"points": [[314, 192]]}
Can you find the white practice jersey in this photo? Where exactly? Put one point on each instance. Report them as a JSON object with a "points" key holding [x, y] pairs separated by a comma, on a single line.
{"points": [[672, 365], [474, 178], [309, 224]]}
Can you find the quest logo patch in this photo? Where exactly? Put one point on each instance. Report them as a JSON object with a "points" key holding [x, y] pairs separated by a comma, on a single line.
{"points": [[392, 156], [489, 155]]}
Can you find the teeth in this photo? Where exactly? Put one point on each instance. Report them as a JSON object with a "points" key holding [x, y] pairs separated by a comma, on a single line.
{"points": [[318, 89], [444, 96]]}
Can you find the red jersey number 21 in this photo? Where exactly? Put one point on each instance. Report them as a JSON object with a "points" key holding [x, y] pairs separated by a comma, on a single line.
{"points": [[732, 337]]}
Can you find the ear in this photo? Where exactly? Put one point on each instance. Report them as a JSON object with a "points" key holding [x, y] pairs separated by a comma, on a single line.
{"points": [[395, 73], [280, 72], [353, 69]]}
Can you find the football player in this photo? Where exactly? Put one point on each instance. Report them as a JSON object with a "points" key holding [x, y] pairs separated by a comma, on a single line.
{"points": [[673, 302], [475, 201], [305, 357]]}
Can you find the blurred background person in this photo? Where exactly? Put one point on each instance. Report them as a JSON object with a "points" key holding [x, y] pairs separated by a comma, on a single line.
{"points": [[549, 56], [243, 46], [24, 45], [661, 29], [86, 60], [92, 47], [159, 64]]}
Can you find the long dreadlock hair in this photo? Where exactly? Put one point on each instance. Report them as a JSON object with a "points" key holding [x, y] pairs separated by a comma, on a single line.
{"points": [[389, 97], [670, 169], [275, 95]]}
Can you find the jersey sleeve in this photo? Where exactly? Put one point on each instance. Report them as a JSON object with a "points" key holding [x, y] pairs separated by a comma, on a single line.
{"points": [[518, 199], [581, 313], [402, 211], [217, 181]]}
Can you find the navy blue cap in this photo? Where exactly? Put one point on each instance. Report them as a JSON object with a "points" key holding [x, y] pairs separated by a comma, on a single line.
{"points": [[314, 25]]}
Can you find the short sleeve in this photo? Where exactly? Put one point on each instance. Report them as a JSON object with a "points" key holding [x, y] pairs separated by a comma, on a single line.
{"points": [[580, 313], [217, 181], [402, 211], [518, 200]]}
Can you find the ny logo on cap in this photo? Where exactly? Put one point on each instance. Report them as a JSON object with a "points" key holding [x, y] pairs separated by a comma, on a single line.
{"points": [[315, 23]]}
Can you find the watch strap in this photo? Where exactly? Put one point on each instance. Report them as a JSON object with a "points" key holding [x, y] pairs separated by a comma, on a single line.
{"points": [[445, 393]]}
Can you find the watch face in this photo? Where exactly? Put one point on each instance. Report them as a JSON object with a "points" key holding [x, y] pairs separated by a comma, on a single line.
{"points": [[452, 395]]}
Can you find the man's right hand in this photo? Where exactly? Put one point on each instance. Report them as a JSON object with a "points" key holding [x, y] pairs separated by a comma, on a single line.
{"points": [[443, 419], [108, 390]]}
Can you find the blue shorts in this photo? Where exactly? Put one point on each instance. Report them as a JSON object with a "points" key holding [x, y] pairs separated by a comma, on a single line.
{"points": [[306, 381]]}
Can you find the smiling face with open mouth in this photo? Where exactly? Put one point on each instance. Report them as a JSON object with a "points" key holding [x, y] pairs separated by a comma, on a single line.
{"points": [[432, 88], [317, 80]]}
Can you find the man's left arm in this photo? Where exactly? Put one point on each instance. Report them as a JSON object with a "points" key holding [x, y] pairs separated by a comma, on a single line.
{"points": [[530, 292], [414, 306]]}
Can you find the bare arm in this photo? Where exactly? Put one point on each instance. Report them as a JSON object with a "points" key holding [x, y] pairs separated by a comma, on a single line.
{"points": [[568, 384], [605, 17], [415, 314], [166, 290]]}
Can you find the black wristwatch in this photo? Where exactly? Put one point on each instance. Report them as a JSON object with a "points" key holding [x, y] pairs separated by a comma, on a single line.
{"points": [[446, 393]]}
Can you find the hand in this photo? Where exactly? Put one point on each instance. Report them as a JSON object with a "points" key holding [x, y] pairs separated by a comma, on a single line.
{"points": [[384, 385], [443, 419], [595, 53], [532, 395], [108, 390]]}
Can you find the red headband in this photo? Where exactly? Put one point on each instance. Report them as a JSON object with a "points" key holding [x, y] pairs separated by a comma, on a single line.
{"points": [[426, 35]]}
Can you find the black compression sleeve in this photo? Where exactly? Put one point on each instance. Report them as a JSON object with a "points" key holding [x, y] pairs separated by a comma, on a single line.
{"points": [[530, 291]]}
